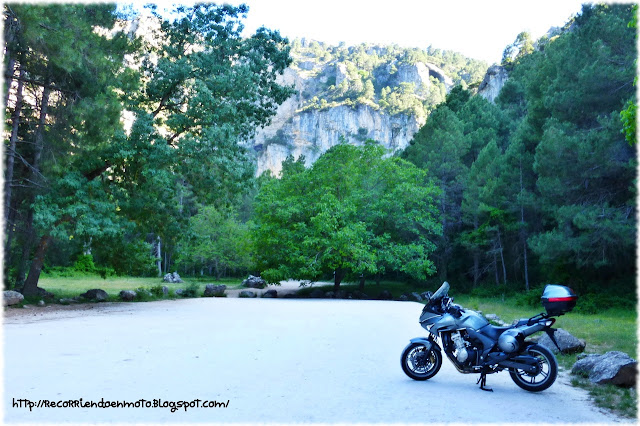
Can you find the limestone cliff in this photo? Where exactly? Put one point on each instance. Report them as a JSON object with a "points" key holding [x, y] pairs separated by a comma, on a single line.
{"points": [[351, 94], [493, 82]]}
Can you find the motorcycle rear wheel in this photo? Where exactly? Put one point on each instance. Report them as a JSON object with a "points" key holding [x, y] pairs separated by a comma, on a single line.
{"points": [[420, 364], [545, 378]]}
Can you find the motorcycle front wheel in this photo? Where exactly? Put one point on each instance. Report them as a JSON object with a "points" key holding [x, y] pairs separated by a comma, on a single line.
{"points": [[545, 377], [420, 364]]}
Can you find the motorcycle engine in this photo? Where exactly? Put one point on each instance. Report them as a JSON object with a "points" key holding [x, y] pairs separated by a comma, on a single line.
{"points": [[461, 350]]}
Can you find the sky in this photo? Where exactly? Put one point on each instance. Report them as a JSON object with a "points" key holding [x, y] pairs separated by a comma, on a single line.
{"points": [[479, 29]]}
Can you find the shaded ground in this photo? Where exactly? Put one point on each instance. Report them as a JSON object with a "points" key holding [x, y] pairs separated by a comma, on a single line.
{"points": [[282, 361]]}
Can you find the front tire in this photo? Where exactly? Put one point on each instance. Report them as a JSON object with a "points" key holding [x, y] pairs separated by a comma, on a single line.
{"points": [[420, 364], [545, 377]]}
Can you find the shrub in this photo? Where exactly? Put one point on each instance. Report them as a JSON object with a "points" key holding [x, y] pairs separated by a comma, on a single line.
{"points": [[84, 263], [191, 290], [530, 298], [156, 290], [143, 294]]}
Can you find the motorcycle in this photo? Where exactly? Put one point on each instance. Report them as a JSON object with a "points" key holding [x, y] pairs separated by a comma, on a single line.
{"points": [[473, 345]]}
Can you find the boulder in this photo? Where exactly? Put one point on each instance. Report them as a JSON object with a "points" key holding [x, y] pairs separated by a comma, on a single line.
{"points": [[254, 282], [67, 301], [270, 294], [616, 368], [96, 294], [385, 295], [173, 278], [11, 297], [211, 290], [403, 298], [415, 297], [127, 295], [497, 320], [317, 294], [566, 341], [247, 294], [165, 290], [179, 292], [360, 295], [41, 303]]}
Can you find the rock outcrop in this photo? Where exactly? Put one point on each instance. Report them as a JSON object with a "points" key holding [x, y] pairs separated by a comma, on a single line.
{"points": [[616, 368], [254, 282], [567, 343], [96, 295], [300, 129], [11, 297], [493, 82], [173, 278]]}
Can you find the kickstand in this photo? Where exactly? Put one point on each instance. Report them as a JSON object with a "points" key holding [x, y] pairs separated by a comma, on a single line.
{"points": [[483, 382]]}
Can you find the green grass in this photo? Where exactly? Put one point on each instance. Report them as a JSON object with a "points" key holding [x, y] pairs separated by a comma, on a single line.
{"points": [[69, 287]]}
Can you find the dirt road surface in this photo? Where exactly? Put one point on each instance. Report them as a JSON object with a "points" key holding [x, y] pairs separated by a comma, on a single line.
{"points": [[267, 360]]}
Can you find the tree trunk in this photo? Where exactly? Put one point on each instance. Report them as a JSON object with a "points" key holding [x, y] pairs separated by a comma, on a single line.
{"points": [[523, 235], [362, 282], [504, 268], [526, 269], [338, 275], [39, 136], [15, 118], [495, 267], [26, 249], [159, 257], [476, 268], [31, 284], [8, 76]]}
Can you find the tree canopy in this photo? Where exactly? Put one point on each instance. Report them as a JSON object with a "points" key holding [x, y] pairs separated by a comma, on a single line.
{"points": [[540, 186], [354, 212], [193, 94]]}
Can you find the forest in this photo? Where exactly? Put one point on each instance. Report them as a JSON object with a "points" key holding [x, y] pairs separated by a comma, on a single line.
{"points": [[123, 156]]}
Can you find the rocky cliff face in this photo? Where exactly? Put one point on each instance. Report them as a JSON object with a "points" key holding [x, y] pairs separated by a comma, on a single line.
{"points": [[309, 130], [351, 94], [493, 82], [310, 133]]}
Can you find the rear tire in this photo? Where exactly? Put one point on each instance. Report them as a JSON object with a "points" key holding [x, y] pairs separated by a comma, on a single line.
{"points": [[545, 378], [420, 364]]}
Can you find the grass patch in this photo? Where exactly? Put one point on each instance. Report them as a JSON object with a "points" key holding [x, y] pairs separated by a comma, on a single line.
{"points": [[621, 401], [69, 287]]}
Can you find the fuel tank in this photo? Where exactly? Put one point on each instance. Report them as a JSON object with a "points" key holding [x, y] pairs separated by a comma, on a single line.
{"points": [[471, 319]]}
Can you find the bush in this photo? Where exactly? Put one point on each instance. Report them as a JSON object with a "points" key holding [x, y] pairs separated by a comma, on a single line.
{"points": [[156, 290], [84, 263], [530, 298], [143, 294], [191, 290]]}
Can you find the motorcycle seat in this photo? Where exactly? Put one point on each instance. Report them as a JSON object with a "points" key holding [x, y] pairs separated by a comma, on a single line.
{"points": [[493, 331]]}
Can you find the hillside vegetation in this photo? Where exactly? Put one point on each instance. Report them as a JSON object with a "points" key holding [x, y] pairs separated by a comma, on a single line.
{"points": [[373, 75]]}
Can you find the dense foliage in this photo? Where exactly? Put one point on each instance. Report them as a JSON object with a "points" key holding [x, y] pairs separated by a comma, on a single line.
{"points": [[541, 186], [77, 179], [351, 213], [123, 155]]}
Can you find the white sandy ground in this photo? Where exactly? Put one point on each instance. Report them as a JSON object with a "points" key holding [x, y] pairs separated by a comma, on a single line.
{"points": [[274, 360]]}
